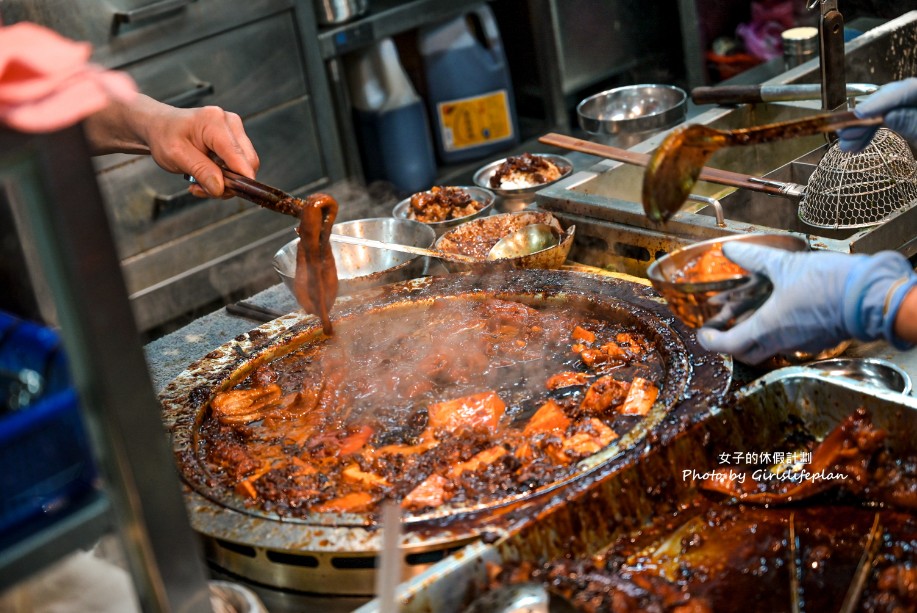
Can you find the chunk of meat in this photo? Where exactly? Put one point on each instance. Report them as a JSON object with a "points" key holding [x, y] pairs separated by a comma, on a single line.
{"points": [[609, 354], [899, 579], [604, 394], [430, 493], [591, 437], [550, 417], [567, 379], [640, 397], [356, 441], [484, 458], [477, 412], [397, 449], [355, 502], [583, 335], [353, 474], [239, 402]]}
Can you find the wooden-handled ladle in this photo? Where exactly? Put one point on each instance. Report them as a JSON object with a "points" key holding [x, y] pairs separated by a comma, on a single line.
{"points": [[675, 166]]}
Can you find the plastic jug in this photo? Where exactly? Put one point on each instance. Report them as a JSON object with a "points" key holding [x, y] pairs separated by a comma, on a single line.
{"points": [[390, 120], [469, 91]]}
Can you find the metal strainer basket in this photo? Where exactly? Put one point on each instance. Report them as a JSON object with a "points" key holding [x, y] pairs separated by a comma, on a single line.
{"points": [[855, 190]]}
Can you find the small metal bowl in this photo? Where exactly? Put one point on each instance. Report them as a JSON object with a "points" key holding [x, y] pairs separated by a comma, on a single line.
{"points": [[513, 200], [872, 371], [485, 232], [625, 116], [361, 267], [719, 303], [482, 195]]}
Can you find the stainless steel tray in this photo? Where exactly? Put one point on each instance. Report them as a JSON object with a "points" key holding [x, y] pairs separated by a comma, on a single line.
{"points": [[585, 524]]}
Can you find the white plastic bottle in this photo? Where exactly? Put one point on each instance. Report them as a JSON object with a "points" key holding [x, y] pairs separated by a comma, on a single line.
{"points": [[390, 120]]}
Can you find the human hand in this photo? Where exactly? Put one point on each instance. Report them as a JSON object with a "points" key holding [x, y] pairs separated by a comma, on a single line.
{"points": [[897, 102], [819, 299], [182, 141]]}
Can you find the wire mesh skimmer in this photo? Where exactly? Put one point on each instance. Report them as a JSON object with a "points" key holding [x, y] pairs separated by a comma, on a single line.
{"points": [[855, 190]]}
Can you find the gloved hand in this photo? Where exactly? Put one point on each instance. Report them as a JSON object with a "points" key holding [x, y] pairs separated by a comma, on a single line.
{"points": [[897, 101], [819, 300]]}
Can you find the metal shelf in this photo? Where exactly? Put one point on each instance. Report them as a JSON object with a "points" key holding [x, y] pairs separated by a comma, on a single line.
{"points": [[49, 181], [386, 18]]}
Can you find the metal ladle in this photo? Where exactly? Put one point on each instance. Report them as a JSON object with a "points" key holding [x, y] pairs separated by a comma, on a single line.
{"points": [[433, 253], [675, 166], [524, 241]]}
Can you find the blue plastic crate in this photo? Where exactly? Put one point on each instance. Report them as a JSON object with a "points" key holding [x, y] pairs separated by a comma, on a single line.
{"points": [[44, 451]]}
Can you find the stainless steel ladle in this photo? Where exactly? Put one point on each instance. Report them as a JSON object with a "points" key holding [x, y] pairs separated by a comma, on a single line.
{"points": [[524, 241]]}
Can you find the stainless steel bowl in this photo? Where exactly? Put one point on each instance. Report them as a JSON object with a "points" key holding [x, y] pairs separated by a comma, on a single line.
{"points": [[872, 371], [721, 303], [487, 231], [361, 267], [625, 116], [513, 200], [482, 195]]}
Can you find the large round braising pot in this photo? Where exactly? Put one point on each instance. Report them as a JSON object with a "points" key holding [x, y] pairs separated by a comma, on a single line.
{"points": [[299, 553]]}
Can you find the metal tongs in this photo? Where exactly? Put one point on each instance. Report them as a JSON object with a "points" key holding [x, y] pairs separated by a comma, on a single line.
{"points": [[261, 194]]}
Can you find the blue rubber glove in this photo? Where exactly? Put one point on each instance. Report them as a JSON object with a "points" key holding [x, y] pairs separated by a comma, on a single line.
{"points": [[820, 299], [897, 101]]}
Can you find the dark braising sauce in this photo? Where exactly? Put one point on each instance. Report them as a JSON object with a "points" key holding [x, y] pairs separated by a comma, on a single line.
{"points": [[720, 555], [737, 559], [460, 401]]}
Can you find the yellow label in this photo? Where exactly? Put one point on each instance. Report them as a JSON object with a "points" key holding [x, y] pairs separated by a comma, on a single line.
{"points": [[475, 121]]}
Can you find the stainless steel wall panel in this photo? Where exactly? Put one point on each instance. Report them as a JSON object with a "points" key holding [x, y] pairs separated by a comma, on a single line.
{"points": [[124, 31]]}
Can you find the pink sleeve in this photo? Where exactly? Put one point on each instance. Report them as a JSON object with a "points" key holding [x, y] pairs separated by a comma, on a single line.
{"points": [[47, 82]]}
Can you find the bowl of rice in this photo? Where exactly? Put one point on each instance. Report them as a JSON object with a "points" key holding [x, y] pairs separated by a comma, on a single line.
{"points": [[515, 179]]}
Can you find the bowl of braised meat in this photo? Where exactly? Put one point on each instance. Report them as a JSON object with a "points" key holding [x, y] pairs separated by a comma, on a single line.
{"points": [[704, 287], [476, 238], [445, 207], [360, 267]]}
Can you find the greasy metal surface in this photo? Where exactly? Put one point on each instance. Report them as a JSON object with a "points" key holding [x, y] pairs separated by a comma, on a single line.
{"points": [[250, 541], [872, 371], [650, 484]]}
